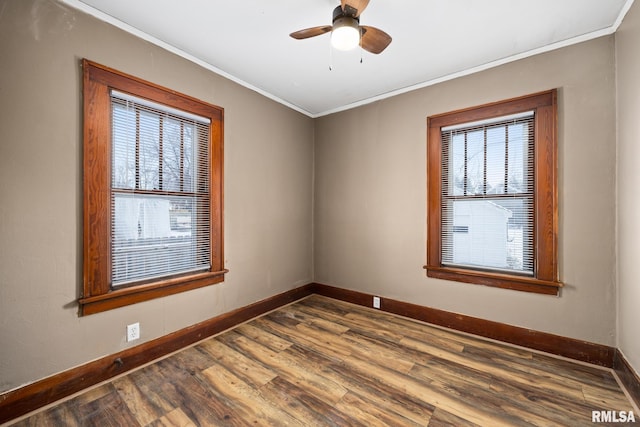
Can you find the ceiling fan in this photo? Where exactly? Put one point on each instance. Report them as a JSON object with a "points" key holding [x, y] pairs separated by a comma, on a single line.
{"points": [[346, 31]]}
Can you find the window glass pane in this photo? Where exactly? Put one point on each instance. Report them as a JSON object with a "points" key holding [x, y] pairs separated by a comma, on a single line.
{"points": [[518, 158], [172, 147], [519, 232], [475, 162], [191, 133], [156, 236], [496, 150], [149, 151], [489, 233], [456, 167], [124, 147]]}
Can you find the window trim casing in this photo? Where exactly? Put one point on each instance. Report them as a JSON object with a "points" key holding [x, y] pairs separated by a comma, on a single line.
{"points": [[545, 278], [97, 294]]}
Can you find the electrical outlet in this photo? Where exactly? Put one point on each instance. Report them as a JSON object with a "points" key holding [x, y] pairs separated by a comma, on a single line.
{"points": [[133, 331], [376, 302]]}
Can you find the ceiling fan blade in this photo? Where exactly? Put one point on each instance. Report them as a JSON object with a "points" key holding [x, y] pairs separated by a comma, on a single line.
{"points": [[358, 6], [311, 32], [374, 40]]}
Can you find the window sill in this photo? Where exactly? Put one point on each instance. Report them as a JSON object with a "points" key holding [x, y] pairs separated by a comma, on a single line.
{"points": [[127, 296], [497, 280]]}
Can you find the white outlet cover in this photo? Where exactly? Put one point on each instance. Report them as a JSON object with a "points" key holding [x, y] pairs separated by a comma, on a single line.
{"points": [[133, 331], [376, 302]]}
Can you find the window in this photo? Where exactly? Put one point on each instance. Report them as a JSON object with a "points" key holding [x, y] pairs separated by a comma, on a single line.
{"points": [[152, 191], [492, 195]]}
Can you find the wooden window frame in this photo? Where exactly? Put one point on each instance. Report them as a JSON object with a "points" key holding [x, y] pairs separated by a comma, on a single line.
{"points": [[545, 275], [97, 292]]}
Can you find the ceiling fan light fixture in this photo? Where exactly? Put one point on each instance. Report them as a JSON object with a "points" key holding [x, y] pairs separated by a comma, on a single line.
{"points": [[345, 34]]}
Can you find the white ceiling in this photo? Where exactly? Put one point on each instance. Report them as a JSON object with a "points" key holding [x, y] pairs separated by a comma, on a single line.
{"points": [[433, 40]]}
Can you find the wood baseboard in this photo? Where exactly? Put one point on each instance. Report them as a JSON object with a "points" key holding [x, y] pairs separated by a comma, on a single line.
{"points": [[627, 375], [568, 347], [25, 399]]}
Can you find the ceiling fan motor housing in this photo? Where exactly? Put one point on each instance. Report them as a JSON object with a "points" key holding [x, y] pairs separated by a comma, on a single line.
{"points": [[349, 12], [343, 18], [345, 21]]}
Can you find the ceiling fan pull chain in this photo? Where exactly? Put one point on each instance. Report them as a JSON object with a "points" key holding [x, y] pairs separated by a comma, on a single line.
{"points": [[360, 43], [330, 58]]}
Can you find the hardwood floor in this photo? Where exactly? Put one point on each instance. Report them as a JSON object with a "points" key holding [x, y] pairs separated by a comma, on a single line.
{"points": [[320, 361]]}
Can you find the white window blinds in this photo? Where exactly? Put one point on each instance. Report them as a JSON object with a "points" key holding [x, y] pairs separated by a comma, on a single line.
{"points": [[159, 191], [488, 194]]}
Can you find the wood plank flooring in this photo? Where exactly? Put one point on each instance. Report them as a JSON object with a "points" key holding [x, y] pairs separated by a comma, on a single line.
{"points": [[322, 362]]}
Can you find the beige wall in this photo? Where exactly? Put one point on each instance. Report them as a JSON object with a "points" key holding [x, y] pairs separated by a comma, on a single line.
{"points": [[370, 202], [268, 188], [628, 96]]}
